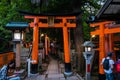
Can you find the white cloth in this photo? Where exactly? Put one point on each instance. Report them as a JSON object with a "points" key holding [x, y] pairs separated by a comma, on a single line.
{"points": [[111, 62]]}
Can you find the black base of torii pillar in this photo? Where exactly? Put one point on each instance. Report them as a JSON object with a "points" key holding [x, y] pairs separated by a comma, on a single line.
{"points": [[68, 71], [34, 68]]}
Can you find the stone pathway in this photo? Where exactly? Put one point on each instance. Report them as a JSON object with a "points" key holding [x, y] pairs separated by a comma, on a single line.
{"points": [[53, 73]]}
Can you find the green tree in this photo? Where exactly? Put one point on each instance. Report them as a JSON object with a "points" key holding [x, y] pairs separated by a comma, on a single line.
{"points": [[9, 12]]}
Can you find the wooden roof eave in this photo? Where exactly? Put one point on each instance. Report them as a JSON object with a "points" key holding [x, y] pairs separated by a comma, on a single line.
{"points": [[49, 14], [103, 8]]}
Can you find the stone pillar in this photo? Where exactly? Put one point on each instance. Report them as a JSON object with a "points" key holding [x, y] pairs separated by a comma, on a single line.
{"points": [[18, 51]]}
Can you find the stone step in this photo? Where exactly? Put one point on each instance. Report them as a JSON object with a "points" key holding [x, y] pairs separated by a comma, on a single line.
{"points": [[36, 77], [55, 76]]}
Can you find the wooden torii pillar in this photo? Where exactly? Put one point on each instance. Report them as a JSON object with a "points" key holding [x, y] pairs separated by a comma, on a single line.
{"points": [[64, 23], [105, 31], [47, 45]]}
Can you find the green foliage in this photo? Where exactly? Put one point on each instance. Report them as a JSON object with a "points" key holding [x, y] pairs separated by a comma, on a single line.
{"points": [[29, 37], [9, 12], [4, 39], [88, 8], [86, 31], [5, 33]]}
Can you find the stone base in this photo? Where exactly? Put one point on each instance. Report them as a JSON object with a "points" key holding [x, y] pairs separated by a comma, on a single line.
{"points": [[68, 73]]}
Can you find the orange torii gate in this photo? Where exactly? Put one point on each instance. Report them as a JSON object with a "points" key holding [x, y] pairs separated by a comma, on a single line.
{"points": [[47, 45], [105, 31], [64, 21]]}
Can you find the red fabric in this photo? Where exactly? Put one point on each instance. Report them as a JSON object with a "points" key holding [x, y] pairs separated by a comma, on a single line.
{"points": [[118, 67], [88, 67]]}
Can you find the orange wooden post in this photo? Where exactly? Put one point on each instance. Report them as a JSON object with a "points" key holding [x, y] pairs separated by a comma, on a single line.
{"points": [[46, 45], [35, 47], [66, 49], [46, 48], [106, 43], [111, 37], [102, 48], [111, 42]]}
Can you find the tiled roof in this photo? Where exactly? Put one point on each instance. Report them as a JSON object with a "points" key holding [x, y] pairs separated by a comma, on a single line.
{"points": [[109, 11]]}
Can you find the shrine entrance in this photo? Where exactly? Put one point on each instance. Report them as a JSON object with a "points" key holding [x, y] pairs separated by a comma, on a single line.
{"points": [[108, 34], [63, 21]]}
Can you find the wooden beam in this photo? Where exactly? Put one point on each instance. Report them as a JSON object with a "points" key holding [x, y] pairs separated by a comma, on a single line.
{"points": [[113, 26], [100, 23], [70, 17], [56, 25], [32, 17], [44, 17], [71, 25], [111, 30], [96, 32], [106, 31]]}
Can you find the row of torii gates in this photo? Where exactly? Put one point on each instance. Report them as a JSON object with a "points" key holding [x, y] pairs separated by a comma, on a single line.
{"points": [[63, 21], [105, 30]]}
